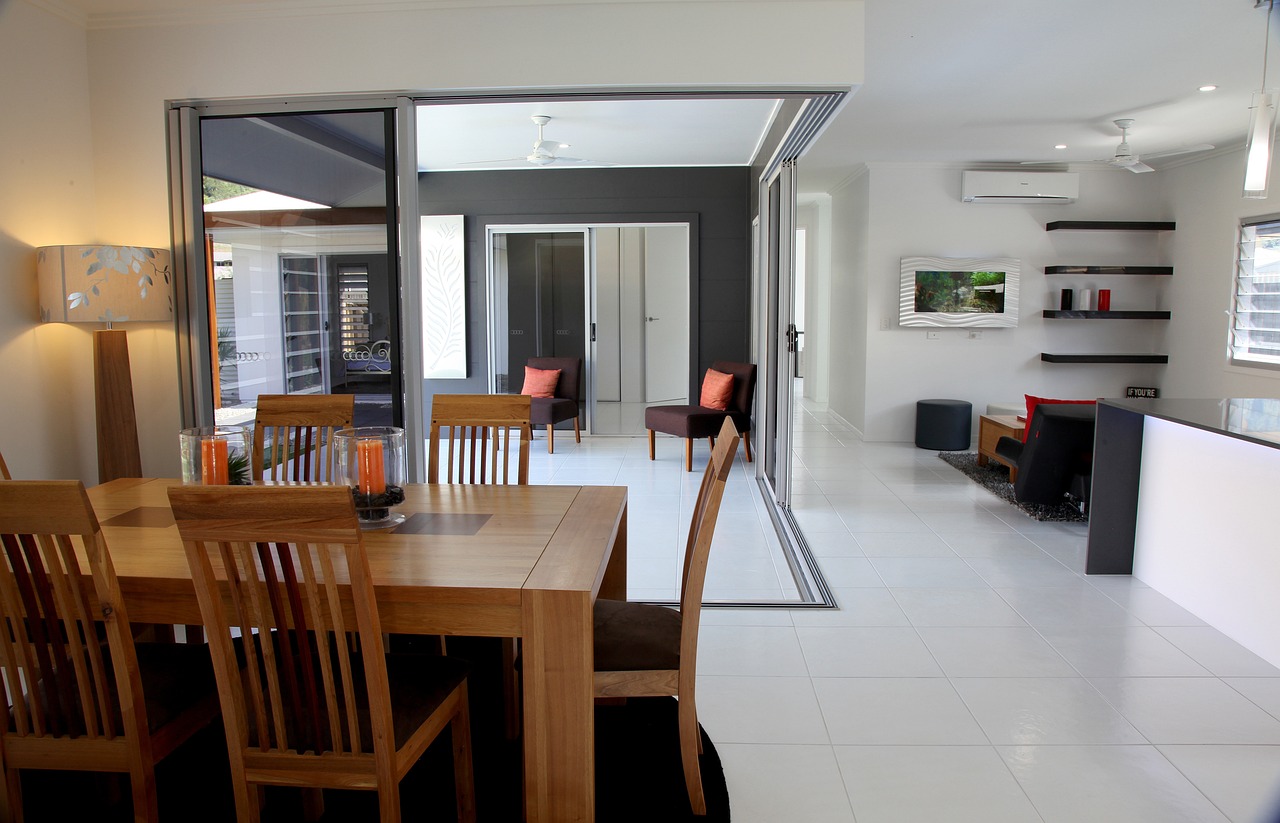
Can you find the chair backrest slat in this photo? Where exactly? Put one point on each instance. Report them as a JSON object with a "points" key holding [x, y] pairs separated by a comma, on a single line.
{"points": [[288, 554], [293, 435], [4, 470], [697, 553], [472, 439], [56, 614]]}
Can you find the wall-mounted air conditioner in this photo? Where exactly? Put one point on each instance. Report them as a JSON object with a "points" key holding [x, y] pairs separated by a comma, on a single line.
{"points": [[1019, 187]]}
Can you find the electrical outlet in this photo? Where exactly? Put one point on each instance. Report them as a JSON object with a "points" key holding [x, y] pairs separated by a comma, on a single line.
{"points": [[974, 334], [933, 335]]}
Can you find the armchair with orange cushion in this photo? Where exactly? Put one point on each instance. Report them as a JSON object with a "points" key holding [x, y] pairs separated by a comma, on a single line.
{"points": [[728, 391], [555, 384]]}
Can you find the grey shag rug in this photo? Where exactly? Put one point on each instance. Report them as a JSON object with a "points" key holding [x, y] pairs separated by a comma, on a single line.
{"points": [[995, 478]]}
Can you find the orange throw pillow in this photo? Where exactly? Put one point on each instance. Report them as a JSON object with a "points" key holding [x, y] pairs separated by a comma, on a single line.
{"points": [[716, 390], [1033, 401], [540, 382]]}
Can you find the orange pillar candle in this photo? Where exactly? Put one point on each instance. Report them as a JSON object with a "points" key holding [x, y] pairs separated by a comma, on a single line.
{"points": [[213, 462], [372, 473]]}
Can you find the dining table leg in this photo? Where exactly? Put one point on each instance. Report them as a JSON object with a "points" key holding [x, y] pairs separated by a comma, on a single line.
{"points": [[559, 713]]}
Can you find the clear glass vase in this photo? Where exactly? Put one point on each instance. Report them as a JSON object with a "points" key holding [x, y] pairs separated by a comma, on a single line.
{"points": [[215, 455], [372, 461]]}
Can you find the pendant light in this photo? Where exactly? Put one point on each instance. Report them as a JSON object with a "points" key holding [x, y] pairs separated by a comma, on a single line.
{"points": [[1262, 124]]}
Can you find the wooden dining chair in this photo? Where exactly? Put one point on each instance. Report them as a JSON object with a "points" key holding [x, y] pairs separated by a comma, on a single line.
{"points": [[643, 650], [471, 443], [299, 428], [317, 702], [4, 470], [471, 438], [76, 702]]}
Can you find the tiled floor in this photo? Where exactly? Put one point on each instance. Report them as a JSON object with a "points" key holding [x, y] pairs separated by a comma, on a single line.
{"points": [[971, 673], [746, 559]]}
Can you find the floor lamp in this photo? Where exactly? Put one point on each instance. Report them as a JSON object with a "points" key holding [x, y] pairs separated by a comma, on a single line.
{"points": [[108, 284]]}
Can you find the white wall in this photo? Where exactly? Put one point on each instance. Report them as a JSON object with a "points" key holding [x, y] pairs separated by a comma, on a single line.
{"points": [[86, 160], [847, 375], [1208, 208], [46, 198], [916, 210], [814, 216]]}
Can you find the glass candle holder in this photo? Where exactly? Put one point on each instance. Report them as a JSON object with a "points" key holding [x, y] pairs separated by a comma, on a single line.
{"points": [[372, 461], [215, 455]]}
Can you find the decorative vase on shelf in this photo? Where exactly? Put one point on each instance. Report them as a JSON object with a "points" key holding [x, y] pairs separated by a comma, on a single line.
{"points": [[373, 462], [215, 455]]}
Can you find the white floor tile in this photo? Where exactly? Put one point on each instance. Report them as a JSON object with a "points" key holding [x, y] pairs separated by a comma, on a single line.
{"points": [[1242, 781], [896, 711], [866, 652], [1022, 711], [1189, 710], [766, 651], [769, 784], [1217, 652], [1263, 691], [856, 607], [926, 572], [1077, 604], [994, 652], [1121, 651], [760, 710], [921, 784], [1107, 784], [955, 607]]}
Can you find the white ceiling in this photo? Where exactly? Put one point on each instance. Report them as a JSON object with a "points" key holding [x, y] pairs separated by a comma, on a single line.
{"points": [[970, 82], [491, 136]]}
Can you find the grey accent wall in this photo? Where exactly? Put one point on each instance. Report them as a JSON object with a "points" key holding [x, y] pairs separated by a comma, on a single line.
{"points": [[714, 200]]}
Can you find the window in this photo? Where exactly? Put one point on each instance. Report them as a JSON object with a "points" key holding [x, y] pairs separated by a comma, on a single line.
{"points": [[1255, 312]]}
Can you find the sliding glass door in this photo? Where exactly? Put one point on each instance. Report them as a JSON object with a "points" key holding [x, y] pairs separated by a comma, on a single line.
{"points": [[294, 229]]}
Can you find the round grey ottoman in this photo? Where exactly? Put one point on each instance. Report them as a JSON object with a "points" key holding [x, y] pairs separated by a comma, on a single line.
{"points": [[944, 425]]}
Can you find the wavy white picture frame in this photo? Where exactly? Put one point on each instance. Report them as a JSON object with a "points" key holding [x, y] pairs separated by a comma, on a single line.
{"points": [[444, 293], [908, 316]]}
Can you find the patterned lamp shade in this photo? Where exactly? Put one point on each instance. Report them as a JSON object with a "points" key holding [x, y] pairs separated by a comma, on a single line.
{"points": [[104, 284]]}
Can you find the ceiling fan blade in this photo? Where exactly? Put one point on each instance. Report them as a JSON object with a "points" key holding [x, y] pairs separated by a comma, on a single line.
{"points": [[1137, 167], [1171, 152]]}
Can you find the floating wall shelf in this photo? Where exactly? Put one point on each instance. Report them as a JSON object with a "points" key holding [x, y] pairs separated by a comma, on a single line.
{"points": [[1058, 314], [1108, 269], [1104, 358], [1108, 225]]}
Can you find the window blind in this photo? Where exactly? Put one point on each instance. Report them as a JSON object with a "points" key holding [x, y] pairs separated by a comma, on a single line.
{"points": [[1255, 313]]}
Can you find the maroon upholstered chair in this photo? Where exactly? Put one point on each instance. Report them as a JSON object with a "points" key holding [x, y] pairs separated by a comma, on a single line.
{"points": [[548, 411], [694, 422]]}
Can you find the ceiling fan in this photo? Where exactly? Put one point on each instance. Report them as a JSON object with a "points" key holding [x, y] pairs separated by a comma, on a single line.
{"points": [[1125, 158], [544, 150]]}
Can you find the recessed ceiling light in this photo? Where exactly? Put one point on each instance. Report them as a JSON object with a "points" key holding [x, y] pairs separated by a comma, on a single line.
{"points": [[1209, 87], [1061, 146]]}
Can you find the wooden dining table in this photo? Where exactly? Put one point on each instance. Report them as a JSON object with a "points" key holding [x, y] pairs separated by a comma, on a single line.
{"points": [[490, 561]]}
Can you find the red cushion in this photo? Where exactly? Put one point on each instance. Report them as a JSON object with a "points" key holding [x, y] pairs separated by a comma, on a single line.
{"points": [[1033, 401], [717, 387], [540, 382]]}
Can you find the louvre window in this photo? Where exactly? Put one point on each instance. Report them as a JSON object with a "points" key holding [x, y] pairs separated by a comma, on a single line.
{"points": [[1255, 312]]}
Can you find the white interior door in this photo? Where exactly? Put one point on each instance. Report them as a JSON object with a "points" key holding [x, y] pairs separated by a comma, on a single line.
{"points": [[666, 313]]}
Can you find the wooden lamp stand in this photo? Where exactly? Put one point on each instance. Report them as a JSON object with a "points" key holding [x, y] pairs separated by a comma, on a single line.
{"points": [[118, 454]]}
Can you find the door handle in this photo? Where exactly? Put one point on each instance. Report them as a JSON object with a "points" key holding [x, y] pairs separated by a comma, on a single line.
{"points": [[651, 319]]}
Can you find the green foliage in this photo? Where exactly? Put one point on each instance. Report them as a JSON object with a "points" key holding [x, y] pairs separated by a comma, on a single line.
{"points": [[959, 291], [215, 190], [238, 469]]}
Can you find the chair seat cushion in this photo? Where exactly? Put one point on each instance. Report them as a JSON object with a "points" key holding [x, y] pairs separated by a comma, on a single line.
{"points": [[417, 683], [684, 421], [175, 677], [544, 411], [635, 636]]}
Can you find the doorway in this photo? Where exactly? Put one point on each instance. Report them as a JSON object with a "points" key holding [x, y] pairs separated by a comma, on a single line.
{"points": [[616, 296]]}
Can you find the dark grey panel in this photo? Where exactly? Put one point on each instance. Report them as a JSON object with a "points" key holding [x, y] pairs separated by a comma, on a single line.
{"points": [[715, 198]]}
